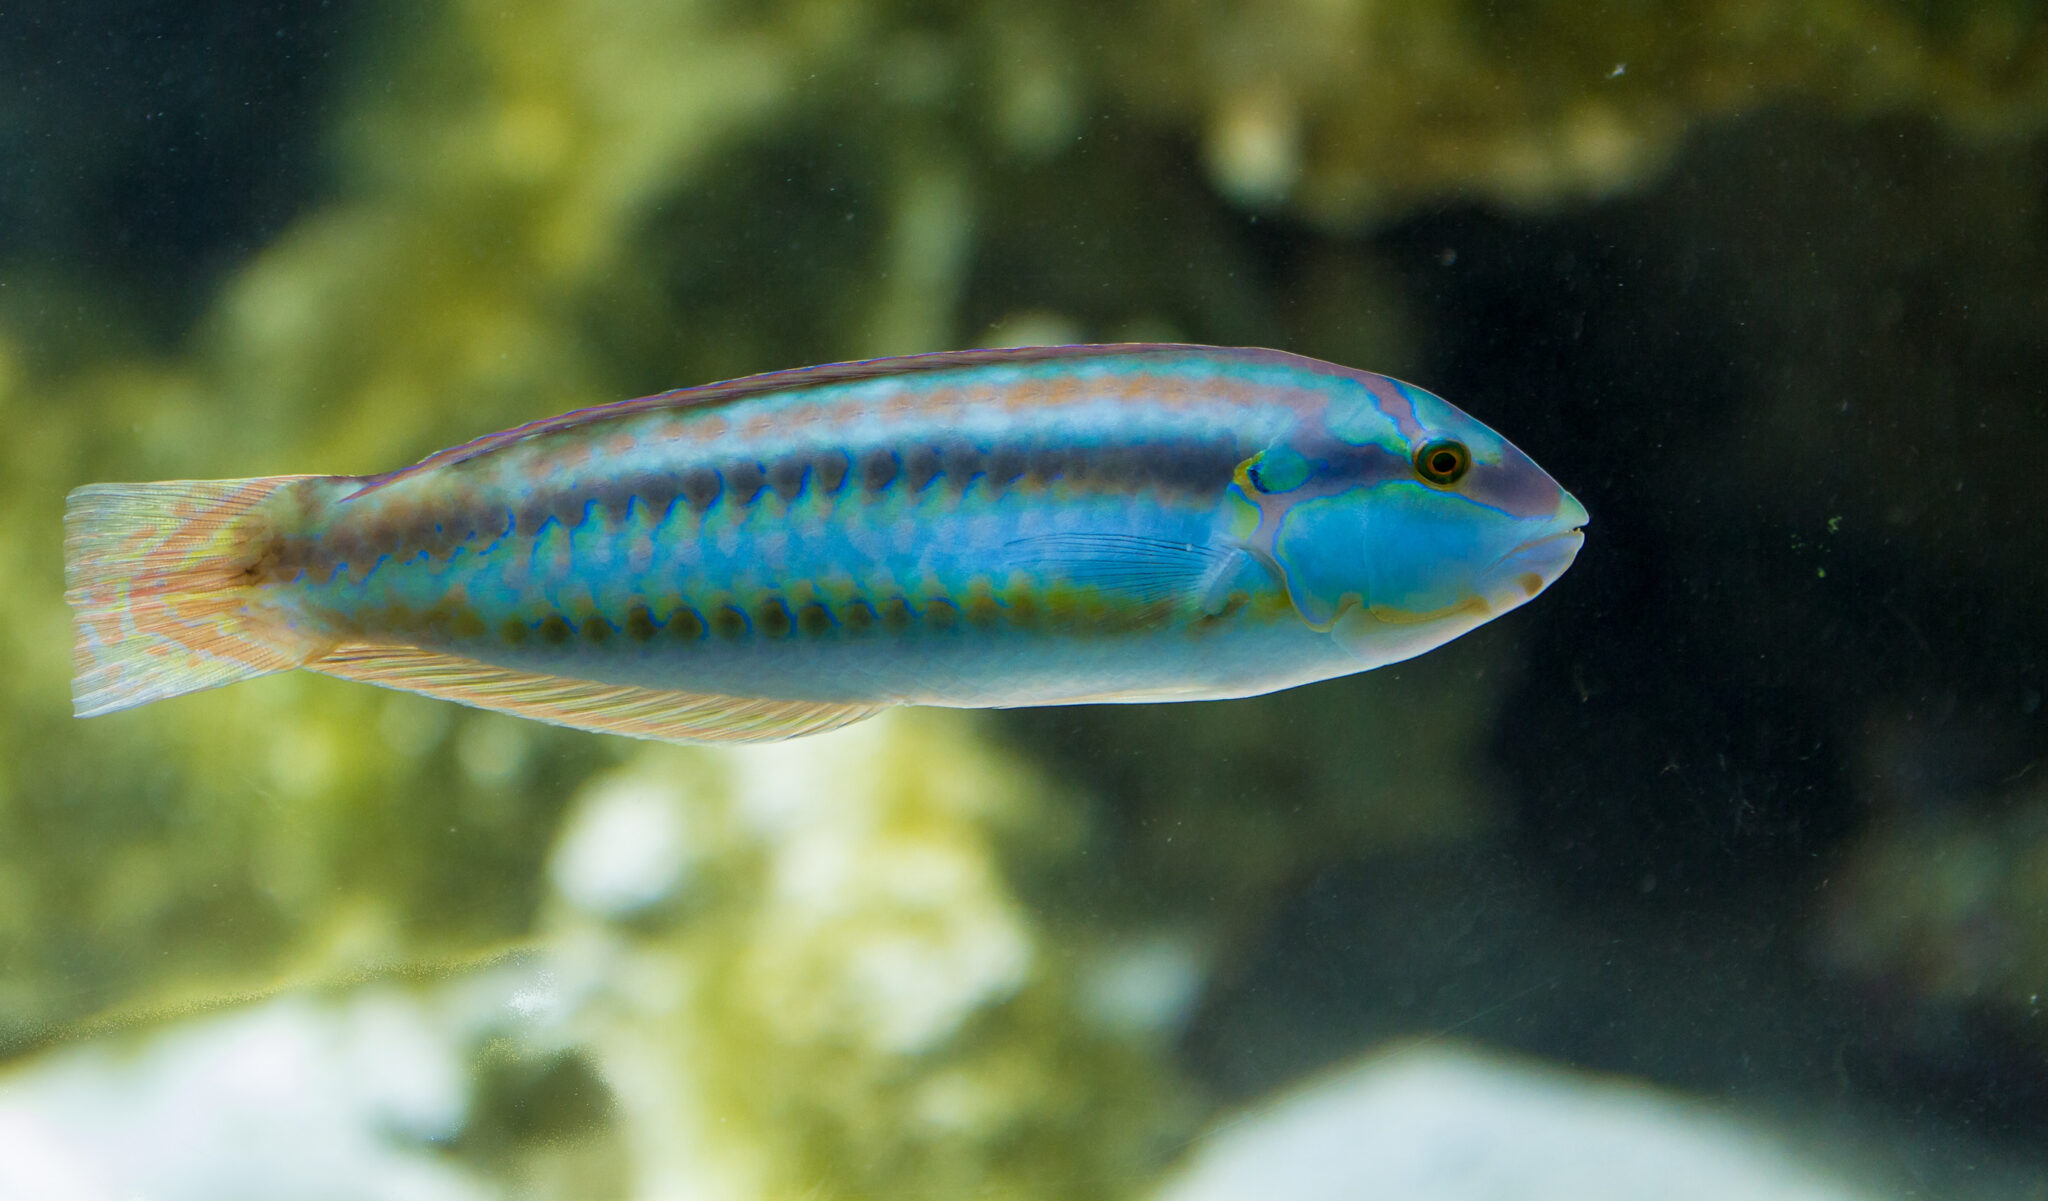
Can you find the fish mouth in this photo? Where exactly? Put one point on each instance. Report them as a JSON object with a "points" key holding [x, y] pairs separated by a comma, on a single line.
{"points": [[1380, 634], [1528, 569]]}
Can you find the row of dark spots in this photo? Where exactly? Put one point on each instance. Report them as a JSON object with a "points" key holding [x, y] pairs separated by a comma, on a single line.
{"points": [[1176, 466], [772, 618], [775, 619], [359, 549]]}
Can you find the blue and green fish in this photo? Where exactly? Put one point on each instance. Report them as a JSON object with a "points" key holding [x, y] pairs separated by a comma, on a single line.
{"points": [[787, 553]]}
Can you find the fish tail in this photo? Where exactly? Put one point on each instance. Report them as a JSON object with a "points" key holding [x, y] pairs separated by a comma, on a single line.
{"points": [[164, 583]]}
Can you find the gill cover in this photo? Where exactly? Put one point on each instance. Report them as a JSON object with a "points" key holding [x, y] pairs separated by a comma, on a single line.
{"points": [[1383, 566], [1263, 514]]}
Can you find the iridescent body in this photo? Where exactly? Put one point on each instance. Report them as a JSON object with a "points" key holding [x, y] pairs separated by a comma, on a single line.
{"points": [[789, 552]]}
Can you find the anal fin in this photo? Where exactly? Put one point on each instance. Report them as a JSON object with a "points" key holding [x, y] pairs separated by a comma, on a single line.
{"points": [[625, 709]]}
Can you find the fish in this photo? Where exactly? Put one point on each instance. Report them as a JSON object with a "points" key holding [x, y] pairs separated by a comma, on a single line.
{"points": [[788, 553]]}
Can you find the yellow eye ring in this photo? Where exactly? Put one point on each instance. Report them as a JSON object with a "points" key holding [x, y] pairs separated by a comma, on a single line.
{"points": [[1443, 462]]}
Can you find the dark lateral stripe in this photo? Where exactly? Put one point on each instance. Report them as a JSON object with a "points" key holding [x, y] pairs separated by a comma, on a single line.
{"points": [[920, 467], [1177, 466], [787, 476], [565, 509], [434, 534], [1004, 466], [700, 487], [611, 501], [878, 468], [743, 481], [1184, 466], [829, 471]]}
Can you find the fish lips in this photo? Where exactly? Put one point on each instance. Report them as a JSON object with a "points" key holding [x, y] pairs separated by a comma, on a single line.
{"points": [[1528, 569]]}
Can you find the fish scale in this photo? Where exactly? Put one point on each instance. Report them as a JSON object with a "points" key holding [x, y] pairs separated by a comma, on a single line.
{"points": [[979, 528]]}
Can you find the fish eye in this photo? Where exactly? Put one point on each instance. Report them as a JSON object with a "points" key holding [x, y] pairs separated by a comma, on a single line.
{"points": [[1443, 462]]}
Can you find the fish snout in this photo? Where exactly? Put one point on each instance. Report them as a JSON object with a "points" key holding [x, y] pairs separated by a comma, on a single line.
{"points": [[1534, 565]]}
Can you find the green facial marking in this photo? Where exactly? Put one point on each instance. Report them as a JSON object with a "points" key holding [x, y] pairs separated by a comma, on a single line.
{"points": [[1252, 516], [1276, 469], [1240, 518]]}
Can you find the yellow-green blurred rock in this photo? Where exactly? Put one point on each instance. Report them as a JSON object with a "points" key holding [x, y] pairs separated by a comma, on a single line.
{"points": [[804, 971], [784, 972], [1354, 110]]}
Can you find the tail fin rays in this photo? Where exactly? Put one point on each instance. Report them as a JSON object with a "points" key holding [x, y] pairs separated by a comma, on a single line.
{"points": [[157, 576]]}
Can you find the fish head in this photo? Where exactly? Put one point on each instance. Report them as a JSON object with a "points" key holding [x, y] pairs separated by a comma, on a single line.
{"points": [[1402, 522]]}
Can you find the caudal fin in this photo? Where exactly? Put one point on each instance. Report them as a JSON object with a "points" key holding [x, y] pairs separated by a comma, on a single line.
{"points": [[163, 597]]}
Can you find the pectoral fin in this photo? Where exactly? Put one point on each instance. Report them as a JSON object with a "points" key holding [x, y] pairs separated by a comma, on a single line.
{"points": [[1144, 570]]}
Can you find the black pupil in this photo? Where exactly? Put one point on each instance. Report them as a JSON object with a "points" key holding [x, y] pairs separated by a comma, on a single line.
{"points": [[1443, 462]]}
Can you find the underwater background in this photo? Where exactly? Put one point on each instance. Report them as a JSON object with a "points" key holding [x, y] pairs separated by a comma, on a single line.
{"points": [[1721, 870]]}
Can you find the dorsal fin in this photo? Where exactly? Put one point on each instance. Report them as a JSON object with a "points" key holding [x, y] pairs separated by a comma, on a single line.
{"points": [[606, 708], [707, 395]]}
